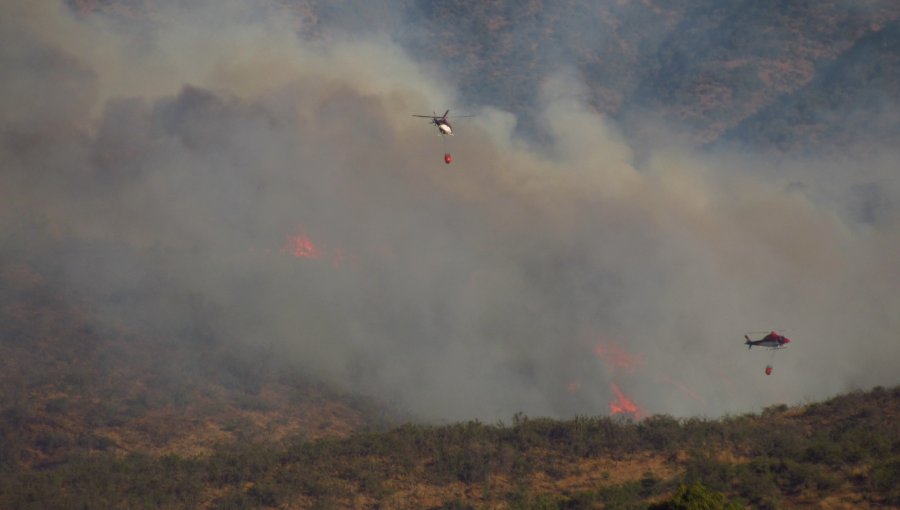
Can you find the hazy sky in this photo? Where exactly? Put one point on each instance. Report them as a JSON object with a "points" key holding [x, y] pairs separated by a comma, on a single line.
{"points": [[180, 153]]}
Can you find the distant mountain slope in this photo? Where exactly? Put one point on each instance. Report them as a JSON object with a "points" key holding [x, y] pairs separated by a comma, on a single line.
{"points": [[844, 104], [727, 60], [706, 64], [721, 69]]}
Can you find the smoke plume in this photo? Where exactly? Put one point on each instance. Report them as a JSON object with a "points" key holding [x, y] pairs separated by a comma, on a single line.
{"points": [[176, 156]]}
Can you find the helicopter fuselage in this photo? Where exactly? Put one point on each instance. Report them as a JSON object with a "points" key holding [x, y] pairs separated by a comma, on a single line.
{"points": [[444, 127], [772, 341]]}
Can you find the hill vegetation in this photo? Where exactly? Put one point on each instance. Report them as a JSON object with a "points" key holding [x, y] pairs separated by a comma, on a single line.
{"points": [[841, 453]]}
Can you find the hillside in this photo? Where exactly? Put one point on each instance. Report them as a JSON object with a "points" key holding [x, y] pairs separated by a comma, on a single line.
{"points": [[98, 415], [787, 76], [842, 453], [235, 273], [75, 380], [783, 75], [714, 68], [843, 103]]}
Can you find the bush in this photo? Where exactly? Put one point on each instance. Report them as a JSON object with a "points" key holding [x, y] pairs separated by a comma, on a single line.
{"points": [[526, 501], [704, 468], [660, 432], [754, 482], [884, 479], [453, 505], [696, 497], [626, 495]]}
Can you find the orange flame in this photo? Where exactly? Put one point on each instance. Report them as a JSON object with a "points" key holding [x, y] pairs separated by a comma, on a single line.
{"points": [[301, 246], [618, 357], [624, 405]]}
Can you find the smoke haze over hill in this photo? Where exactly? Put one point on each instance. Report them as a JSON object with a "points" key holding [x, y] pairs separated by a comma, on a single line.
{"points": [[162, 166]]}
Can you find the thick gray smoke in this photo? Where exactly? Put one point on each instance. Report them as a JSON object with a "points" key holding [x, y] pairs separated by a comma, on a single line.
{"points": [[189, 158]]}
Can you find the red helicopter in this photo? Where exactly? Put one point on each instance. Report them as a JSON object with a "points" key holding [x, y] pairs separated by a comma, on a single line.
{"points": [[444, 127], [772, 340]]}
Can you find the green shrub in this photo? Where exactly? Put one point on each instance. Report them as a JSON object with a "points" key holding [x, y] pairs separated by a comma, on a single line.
{"points": [[696, 497], [885, 480]]}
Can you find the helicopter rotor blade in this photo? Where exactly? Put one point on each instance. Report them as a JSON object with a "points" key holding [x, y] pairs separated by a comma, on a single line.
{"points": [[435, 116]]}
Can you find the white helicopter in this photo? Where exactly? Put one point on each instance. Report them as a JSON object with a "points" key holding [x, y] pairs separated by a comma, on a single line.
{"points": [[441, 121], [444, 128]]}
